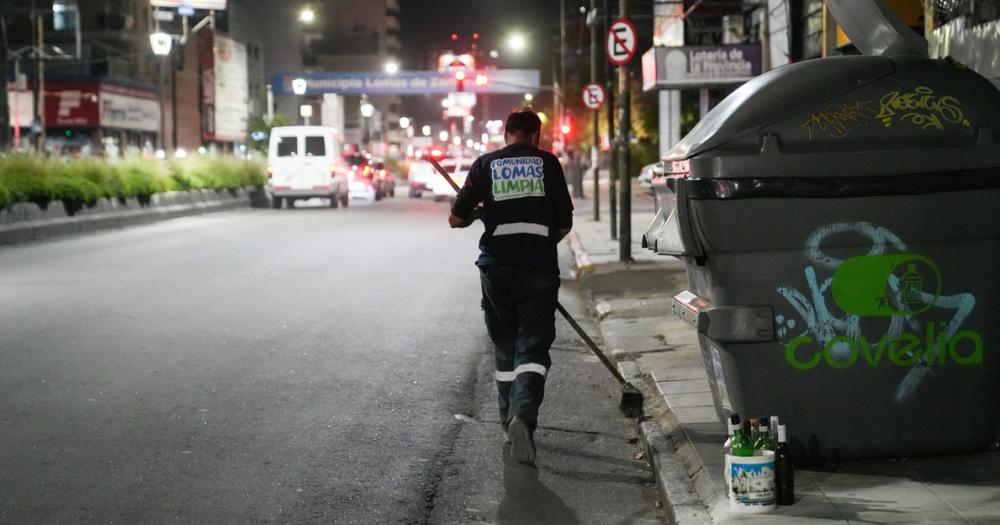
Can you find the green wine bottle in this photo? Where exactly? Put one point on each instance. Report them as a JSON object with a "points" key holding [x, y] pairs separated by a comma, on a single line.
{"points": [[741, 445], [764, 441]]}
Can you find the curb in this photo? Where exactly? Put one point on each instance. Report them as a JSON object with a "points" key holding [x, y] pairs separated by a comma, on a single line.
{"points": [[682, 501], [47, 228]]}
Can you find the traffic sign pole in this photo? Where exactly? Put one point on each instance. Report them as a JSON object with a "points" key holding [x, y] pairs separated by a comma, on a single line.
{"points": [[595, 148], [609, 78], [625, 222]]}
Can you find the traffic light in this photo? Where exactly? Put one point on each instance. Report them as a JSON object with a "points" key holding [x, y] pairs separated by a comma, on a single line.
{"points": [[482, 80], [460, 81], [565, 128]]}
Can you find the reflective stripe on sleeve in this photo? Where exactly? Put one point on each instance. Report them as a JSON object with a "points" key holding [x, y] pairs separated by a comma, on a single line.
{"points": [[507, 377], [521, 227]]}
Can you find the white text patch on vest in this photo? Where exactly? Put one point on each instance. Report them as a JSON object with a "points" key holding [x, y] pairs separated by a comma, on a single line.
{"points": [[517, 177]]}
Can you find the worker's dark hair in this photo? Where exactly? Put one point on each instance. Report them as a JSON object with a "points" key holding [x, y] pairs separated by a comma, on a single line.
{"points": [[524, 122]]}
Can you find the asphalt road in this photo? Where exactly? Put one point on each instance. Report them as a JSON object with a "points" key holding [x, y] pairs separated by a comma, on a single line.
{"points": [[301, 365]]}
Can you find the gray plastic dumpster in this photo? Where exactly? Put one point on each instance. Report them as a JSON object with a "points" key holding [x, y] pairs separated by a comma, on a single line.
{"points": [[840, 224]]}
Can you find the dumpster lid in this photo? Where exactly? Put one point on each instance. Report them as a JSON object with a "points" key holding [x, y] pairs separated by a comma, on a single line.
{"points": [[849, 116]]}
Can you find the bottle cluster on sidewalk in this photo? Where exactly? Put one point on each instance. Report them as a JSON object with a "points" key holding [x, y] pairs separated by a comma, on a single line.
{"points": [[759, 472]]}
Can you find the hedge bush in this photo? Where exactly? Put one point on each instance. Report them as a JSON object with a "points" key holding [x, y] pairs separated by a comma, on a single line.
{"points": [[26, 178]]}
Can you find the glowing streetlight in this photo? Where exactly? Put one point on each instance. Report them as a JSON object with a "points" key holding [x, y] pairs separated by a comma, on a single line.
{"points": [[528, 97], [517, 43], [299, 86], [443, 136], [404, 122], [307, 15], [392, 67], [456, 140], [367, 110], [426, 131], [494, 53]]}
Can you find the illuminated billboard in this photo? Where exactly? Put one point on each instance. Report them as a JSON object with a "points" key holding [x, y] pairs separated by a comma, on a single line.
{"points": [[216, 5]]}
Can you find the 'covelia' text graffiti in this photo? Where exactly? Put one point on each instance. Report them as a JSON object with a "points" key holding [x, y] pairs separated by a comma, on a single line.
{"points": [[886, 287]]}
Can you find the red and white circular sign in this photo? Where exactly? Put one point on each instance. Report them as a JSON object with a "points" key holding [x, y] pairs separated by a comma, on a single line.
{"points": [[593, 95], [622, 42]]}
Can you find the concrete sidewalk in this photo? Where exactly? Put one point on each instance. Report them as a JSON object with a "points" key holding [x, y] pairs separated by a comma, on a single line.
{"points": [[632, 303]]}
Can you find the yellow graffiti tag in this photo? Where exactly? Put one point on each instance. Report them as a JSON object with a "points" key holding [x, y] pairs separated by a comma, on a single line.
{"points": [[839, 120], [921, 108]]}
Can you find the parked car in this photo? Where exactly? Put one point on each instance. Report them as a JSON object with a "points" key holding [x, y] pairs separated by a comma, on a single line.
{"points": [[420, 177], [359, 176], [459, 170], [383, 179], [303, 163]]}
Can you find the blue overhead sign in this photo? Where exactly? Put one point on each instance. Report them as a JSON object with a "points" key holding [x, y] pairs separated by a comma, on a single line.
{"points": [[497, 81]]}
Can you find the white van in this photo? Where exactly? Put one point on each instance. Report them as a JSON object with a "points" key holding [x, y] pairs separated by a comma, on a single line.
{"points": [[304, 162]]}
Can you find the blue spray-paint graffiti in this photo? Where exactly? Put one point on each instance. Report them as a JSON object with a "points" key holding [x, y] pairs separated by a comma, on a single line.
{"points": [[839, 333]]}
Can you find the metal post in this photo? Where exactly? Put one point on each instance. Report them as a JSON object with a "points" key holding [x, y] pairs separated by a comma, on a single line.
{"points": [[625, 221], [270, 104], [4, 108], [162, 142], [173, 100], [39, 77], [561, 114], [609, 77], [595, 148]]}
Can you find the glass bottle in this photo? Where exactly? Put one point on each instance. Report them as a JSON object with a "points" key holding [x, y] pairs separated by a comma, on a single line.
{"points": [[784, 471], [741, 446], [764, 441]]}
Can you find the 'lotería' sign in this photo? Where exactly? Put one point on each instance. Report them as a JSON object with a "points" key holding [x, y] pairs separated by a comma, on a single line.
{"points": [[497, 81], [699, 66]]}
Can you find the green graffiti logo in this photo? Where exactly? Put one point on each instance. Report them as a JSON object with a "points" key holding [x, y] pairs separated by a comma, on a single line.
{"points": [[964, 348], [886, 285], [903, 284]]}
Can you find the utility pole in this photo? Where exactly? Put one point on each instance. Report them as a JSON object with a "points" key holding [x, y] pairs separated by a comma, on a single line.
{"points": [[4, 108], [562, 69], [609, 77], [595, 150], [560, 81], [40, 79], [625, 222]]}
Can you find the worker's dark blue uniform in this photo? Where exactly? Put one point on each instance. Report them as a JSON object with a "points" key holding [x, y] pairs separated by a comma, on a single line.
{"points": [[525, 203]]}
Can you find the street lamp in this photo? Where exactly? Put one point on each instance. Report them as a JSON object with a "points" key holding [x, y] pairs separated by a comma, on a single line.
{"points": [[443, 136], [517, 43], [392, 67], [404, 122], [528, 97], [425, 131], [161, 44], [367, 110], [299, 86], [307, 15]]}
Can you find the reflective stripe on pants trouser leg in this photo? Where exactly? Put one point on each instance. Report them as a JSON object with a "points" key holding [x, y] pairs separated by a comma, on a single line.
{"points": [[519, 307]]}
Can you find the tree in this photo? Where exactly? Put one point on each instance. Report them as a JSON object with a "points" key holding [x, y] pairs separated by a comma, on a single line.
{"points": [[260, 130]]}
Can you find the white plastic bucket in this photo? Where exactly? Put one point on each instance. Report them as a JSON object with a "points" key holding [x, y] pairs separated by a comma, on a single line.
{"points": [[750, 482]]}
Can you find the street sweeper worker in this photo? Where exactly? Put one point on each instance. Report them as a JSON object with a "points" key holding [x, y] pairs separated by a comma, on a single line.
{"points": [[520, 194]]}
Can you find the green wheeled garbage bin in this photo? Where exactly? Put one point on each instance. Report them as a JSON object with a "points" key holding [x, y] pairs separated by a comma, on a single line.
{"points": [[840, 224]]}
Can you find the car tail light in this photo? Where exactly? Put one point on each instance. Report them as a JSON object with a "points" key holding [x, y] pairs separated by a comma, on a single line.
{"points": [[381, 174], [367, 172]]}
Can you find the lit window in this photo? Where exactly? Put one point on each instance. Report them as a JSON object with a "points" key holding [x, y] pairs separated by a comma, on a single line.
{"points": [[64, 14]]}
